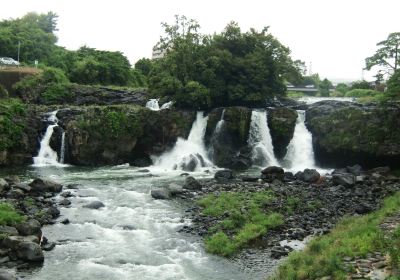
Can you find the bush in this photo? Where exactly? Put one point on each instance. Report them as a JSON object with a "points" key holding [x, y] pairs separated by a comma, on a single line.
{"points": [[194, 96], [393, 85], [3, 92], [361, 93], [11, 126], [8, 215], [50, 86]]}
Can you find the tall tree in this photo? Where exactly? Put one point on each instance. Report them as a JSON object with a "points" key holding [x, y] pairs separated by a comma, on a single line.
{"points": [[388, 54]]}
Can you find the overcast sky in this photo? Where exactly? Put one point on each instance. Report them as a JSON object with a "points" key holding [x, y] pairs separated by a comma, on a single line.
{"points": [[334, 35]]}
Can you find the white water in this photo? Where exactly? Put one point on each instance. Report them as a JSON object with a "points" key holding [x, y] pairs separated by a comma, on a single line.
{"points": [[46, 155], [260, 140], [62, 152], [312, 99], [133, 237], [186, 150], [167, 105], [152, 104], [300, 154], [220, 123]]}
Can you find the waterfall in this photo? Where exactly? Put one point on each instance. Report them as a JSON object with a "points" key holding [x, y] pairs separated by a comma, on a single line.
{"points": [[220, 123], [62, 152], [46, 155], [188, 154], [152, 104], [300, 154], [260, 140], [167, 105]]}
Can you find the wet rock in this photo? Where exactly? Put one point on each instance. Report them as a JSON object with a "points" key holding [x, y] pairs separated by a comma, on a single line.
{"points": [[53, 211], [288, 177], [11, 242], [7, 275], [363, 208], [65, 222], [94, 205], [272, 173], [3, 185], [224, 174], [299, 176], [143, 161], [67, 194], [161, 193], [22, 186], [8, 230], [380, 170], [345, 179], [191, 162], [192, 184], [175, 189], [355, 169], [278, 252], [31, 227], [49, 246], [339, 171], [29, 251], [310, 175], [65, 202], [43, 185], [72, 186], [250, 179]]}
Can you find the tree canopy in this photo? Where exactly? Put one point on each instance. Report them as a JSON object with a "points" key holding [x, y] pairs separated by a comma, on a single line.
{"points": [[387, 55], [229, 68]]}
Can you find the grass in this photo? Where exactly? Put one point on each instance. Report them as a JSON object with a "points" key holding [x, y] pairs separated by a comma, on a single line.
{"points": [[243, 219], [9, 216], [353, 236]]}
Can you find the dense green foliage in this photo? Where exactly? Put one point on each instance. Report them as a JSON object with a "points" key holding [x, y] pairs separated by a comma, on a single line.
{"points": [[363, 84], [11, 125], [393, 85], [353, 236], [361, 93], [34, 32], [324, 87], [388, 54], [3, 92], [230, 68], [244, 220], [51, 85], [8, 215]]}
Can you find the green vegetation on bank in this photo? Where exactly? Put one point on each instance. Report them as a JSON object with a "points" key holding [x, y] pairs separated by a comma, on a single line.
{"points": [[9, 216], [243, 219], [352, 237], [11, 123]]}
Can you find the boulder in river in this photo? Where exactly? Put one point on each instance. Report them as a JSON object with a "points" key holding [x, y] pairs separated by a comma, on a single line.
{"points": [[94, 205], [39, 185], [192, 184], [29, 251], [175, 189], [31, 227], [272, 173], [224, 174], [161, 193]]}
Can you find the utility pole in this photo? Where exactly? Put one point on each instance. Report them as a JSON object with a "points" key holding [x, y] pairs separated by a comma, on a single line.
{"points": [[19, 48]]}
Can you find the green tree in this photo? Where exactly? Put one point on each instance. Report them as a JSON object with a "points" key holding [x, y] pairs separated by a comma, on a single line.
{"points": [[393, 85], [360, 85], [342, 88], [324, 87], [144, 65], [388, 54]]}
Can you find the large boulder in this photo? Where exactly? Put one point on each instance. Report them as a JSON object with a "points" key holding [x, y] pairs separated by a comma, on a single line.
{"points": [[7, 275], [226, 174], [29, 251], [192, 184], [161, 193], [39, 185], [281, 123], [272, 173], [31, 227], [94, 205], [347, 133], [230, 137], [310, 175], [344, 179]]}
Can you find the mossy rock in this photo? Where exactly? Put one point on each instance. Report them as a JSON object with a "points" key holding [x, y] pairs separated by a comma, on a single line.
{"points": [[281, 122]]}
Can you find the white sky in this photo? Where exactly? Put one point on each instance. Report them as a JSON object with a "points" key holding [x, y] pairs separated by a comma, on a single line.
{"points": [[335, 35]]}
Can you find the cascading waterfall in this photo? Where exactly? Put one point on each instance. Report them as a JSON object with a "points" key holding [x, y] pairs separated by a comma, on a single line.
{"points": [[167, 105], [188, 154], [62, 152], [300, 154], [152, 104], [260, 140], [46, 155], [220, 123]]}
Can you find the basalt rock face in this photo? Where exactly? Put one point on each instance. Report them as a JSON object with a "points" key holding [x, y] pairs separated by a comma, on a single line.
{"points": [[281, 123], [346, 133], [20, 136], [228, 143], [101, 135]]}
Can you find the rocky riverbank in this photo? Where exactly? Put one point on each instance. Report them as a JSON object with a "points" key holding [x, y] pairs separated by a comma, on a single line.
{"points": [[25, 208], [309, 203]]}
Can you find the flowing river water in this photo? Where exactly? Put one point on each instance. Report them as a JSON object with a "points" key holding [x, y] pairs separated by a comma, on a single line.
{"points": [[133, 237]]}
